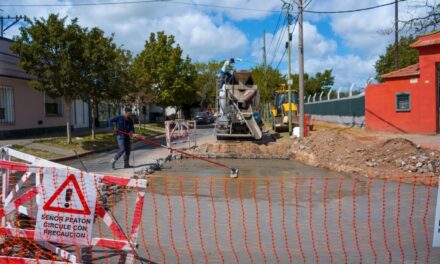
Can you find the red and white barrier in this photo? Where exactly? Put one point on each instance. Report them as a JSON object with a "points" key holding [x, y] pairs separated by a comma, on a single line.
{"points": [[16, 200]]}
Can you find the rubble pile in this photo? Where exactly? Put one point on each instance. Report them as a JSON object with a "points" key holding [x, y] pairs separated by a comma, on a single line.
{"points": [[396, 158]]}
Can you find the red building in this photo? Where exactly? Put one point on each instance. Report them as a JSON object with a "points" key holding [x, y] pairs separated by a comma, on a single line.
{"points": [[408, 100]]}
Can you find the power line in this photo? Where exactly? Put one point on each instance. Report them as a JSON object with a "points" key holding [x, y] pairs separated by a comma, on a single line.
{"points": [[85, 4], [142, 2], [275, 31], [196, 4], [352, 10], [278, 43], [282, 57], [293, 29]]}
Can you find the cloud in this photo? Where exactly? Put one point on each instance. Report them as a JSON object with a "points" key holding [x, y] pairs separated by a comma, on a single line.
{"points": [[350, 44], [240, 14], [320, 53], [201, 38], [366, 31], [201, 35], [316, 45]]}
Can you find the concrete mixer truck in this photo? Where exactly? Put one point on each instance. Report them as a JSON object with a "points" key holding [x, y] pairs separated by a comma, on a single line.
{"points": [[237, 101]]}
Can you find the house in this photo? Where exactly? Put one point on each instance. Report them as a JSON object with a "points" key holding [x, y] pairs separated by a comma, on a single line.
{"points": [[23, 110], [27, 112], [408, 99]]}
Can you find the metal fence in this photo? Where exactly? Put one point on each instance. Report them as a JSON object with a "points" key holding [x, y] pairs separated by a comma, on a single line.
{"points": [[337, 107]]}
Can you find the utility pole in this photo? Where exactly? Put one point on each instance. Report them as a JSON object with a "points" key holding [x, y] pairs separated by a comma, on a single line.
{"points": [[266, 112], [301, 68], [396, 33], [288, 7], [4, 26], [264, 49]]}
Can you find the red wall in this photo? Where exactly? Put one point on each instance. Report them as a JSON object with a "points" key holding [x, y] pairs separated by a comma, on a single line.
{"points": [[380, 100], [380, 108]]}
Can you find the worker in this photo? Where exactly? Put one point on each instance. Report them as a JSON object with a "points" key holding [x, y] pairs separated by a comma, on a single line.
{"points": [[225, 72], [124, 123]]}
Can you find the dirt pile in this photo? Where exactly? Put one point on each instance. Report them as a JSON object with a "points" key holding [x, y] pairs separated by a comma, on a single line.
{"points": [[395, 158]]}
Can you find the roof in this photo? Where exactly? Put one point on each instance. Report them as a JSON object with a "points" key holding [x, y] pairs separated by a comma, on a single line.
{"points": [[9, 62], [426, 40], [413, 70]]}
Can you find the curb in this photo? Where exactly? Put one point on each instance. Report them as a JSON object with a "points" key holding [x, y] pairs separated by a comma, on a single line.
{"points": [[71, 157], [234, 155]]}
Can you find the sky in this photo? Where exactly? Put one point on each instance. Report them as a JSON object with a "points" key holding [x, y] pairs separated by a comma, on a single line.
{"points": [[349, 44]]}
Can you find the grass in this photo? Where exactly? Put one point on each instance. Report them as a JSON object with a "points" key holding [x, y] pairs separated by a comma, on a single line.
{"points": [[81, 144], [146, 127], [85, 144], [36, 152]]}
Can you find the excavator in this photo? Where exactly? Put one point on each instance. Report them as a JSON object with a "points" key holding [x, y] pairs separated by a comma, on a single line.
{"points": [[281, 107], [238, 102]]}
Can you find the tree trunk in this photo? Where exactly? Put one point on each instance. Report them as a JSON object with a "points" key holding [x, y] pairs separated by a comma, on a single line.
{"points": [[164, 113], [68, 106], [140, 114], [93, 115]]}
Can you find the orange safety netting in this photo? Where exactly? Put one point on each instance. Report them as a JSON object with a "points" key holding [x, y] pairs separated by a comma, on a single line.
{"points": [[245, 220]]}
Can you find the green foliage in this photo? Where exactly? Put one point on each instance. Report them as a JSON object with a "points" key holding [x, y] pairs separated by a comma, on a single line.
{"points": [[105, 68], [105, 71], [52, 52], [273, 79], [161, 72], [207, 82], [407, 56], [322, 81]]}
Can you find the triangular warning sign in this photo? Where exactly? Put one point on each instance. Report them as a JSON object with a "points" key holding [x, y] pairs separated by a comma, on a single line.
{"points": [[67, 206]]}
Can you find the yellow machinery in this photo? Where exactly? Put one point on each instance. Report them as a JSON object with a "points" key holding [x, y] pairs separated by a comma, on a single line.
{"points": [[280, 109]]}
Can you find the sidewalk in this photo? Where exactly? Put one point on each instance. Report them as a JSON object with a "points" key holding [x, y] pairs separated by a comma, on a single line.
{"points": [[63, 153]]}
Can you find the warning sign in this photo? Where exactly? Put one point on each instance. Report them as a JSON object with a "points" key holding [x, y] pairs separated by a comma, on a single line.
{"points": [[436, 240], [67, 208]]}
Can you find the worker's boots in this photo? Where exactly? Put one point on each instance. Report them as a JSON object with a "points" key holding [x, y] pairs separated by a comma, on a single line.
{"points": [[113, 164]]}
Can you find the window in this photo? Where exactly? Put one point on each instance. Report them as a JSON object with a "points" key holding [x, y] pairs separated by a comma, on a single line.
{"points": [[403, 102], [6, 105], [53, 106]]}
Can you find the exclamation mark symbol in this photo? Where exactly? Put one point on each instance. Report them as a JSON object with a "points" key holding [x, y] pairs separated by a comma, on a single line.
{"points": [[68, 197]]}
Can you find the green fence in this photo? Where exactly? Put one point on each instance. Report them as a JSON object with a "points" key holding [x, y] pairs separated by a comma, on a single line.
{"points": [[351, 106]]}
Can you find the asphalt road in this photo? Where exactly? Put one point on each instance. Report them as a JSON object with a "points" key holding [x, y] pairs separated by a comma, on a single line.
{"points": [[142, 154]]}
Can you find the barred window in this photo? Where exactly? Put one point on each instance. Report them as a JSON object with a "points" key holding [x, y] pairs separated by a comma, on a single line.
{"points": [[403, 102], [6, 105]]}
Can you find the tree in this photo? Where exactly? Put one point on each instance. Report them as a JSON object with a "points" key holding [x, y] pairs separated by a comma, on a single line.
{"points": [[321, 82], [104, 71], [207, 82], [274, 79], [51, 51], [407, 57], [163, 72], [425, 21]]}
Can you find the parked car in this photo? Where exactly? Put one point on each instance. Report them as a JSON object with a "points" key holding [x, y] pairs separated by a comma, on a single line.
{"points": [[202, 118], [211, 117]]}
